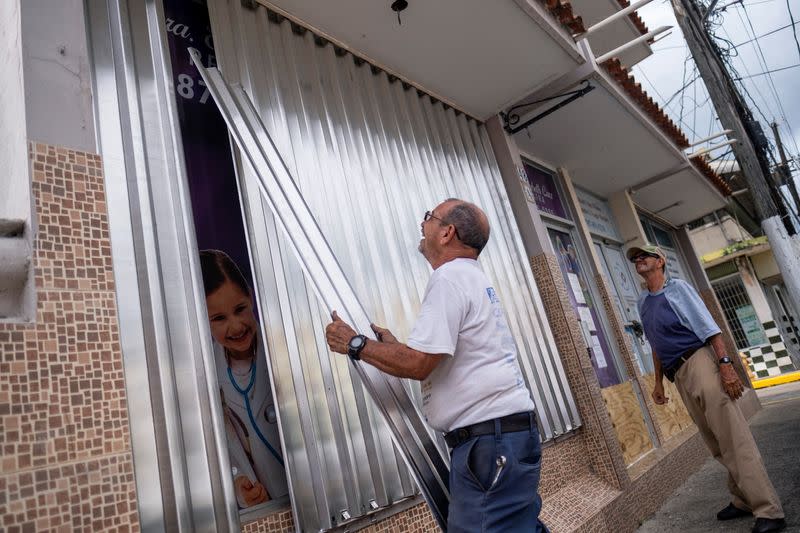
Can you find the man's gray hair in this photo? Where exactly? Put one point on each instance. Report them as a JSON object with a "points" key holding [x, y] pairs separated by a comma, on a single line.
{"points": [[466, 217]]}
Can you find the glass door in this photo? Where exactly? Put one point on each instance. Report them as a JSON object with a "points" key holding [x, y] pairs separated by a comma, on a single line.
{"points": [[578, 289], [625, 291]]}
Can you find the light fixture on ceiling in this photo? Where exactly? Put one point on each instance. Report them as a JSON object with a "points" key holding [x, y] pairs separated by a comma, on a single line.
{"points": [[398, 6]]}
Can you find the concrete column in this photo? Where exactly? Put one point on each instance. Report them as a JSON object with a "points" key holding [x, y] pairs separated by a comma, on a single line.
{"points": [[529, 220], [17, 223], [627, 219], [601, 444], [58, 81], [754, 290]]}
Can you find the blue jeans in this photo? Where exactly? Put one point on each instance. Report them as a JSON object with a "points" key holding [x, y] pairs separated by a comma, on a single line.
{"points": [[494, 482]]}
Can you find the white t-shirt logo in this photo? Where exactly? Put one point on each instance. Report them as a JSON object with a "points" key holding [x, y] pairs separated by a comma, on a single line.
{"points": [[492, 295]]}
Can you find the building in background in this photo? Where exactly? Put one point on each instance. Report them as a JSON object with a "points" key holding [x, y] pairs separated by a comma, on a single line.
{"points": [[113, 399], [750, 289]]}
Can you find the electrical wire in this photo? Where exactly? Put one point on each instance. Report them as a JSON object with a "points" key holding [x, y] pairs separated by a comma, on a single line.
{"points": [[767, 72], [667, 105], [727, 51], [794, 26], [769, 76], [776, 30]]}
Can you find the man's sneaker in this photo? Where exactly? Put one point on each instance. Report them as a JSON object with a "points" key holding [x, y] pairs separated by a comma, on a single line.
{"points": [[768, 525], [731, 512]]}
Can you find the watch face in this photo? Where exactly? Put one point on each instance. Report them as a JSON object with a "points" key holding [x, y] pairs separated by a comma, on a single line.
{"points": [[356, 342]]}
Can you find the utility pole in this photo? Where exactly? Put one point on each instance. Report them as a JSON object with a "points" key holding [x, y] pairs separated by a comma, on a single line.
{"points": [[734, 115], [786, 174]]}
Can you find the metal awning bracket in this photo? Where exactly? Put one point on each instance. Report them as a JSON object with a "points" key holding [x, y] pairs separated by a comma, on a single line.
{"points": [[511, 118]]}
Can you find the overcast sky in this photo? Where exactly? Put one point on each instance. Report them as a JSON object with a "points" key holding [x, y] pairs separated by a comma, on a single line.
{"points": [[778, 98]]}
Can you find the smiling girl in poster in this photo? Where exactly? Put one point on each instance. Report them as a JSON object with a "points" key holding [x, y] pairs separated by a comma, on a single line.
{"points": [[249, 410]]}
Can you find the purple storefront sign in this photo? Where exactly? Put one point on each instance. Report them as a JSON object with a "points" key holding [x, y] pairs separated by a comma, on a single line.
{"points": [[206, 146], [545, 192]]}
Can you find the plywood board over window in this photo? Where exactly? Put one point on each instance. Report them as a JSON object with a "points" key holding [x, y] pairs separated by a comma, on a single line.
{"points": [[671, 417], [626, 417]]}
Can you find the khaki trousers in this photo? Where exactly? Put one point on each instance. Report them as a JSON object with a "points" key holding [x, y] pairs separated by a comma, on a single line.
{"points": [[727, 434]]}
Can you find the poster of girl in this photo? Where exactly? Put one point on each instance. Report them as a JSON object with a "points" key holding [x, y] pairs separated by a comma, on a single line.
{"points": [[249, 410]]}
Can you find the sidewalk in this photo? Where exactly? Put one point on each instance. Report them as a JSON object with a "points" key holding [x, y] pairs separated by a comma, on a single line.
{"points": [[693, 507]]}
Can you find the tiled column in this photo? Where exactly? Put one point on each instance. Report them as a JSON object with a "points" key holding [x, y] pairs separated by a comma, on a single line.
{"points": [[605, 455], [604, 450], [67, 461]]}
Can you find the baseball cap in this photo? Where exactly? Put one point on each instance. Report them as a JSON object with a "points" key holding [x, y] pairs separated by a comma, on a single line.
{"points": [[648, 249]]}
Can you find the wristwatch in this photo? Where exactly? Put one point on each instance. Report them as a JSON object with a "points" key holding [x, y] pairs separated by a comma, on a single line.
{"points": [[725, 360], [355, 346]]}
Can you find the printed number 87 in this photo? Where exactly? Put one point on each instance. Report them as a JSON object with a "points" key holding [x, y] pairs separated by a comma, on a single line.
{"points": [[186, 88]]}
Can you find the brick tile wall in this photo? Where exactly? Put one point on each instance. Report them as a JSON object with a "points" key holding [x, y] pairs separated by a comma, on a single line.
{"points": [[603, 449], [66, 453]]}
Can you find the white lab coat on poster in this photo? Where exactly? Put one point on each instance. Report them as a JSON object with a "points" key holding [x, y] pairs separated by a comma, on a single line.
{"points": [[260, 465]]}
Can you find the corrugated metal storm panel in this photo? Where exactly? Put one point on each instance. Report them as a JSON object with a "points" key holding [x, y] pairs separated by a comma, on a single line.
{"points": [[369, 158]]}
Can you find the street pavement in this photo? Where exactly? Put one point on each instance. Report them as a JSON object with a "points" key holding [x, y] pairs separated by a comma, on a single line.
{"points": [[776, 428]]}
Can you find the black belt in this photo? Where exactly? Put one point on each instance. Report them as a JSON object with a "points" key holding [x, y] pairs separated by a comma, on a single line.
{"points": [[671, 371], [508, 424]]}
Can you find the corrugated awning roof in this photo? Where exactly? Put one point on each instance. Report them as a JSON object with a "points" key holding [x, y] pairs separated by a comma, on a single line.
{"points": [[634, 89], [563, 12], [635, 18], [645, 102], [701, 164]]}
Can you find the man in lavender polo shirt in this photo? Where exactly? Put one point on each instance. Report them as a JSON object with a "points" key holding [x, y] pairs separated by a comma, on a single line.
{"points": [[680, 330]]}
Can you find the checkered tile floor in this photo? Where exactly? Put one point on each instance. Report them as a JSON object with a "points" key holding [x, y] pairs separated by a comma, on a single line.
{"points": [[770, 359]]}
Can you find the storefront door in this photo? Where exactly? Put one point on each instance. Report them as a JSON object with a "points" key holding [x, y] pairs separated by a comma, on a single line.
{"points": [[608, 371], [625, 291]]}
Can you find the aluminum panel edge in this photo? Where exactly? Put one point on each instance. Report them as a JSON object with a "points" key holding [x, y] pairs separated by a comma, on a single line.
{"points": [[180, 481]]}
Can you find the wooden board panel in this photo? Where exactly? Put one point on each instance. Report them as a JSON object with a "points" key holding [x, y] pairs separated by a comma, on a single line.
{"points": [[626, 417], [673, 417]]}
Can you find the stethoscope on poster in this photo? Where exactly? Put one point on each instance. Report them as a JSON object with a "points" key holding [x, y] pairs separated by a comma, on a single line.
{"points": [[246, 395]]}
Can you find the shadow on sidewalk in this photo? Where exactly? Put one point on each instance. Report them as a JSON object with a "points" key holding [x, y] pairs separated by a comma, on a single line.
{"points": [[776, 428]]}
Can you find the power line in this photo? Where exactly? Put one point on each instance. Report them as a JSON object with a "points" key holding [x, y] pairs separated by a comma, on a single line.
{"points": [[666, 104], [794, 29], [769, 76], [727, 56], [767, 72], [776, 30]]}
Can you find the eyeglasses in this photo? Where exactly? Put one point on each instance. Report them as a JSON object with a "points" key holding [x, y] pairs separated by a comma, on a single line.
{"points": [[429, 215], [643, 255]]}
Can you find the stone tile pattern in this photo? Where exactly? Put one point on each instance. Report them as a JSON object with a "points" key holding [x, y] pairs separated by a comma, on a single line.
{"points": [[282, 521], [418, 519], [603, 449], [66, 453], [563, 461], [649, 491]]}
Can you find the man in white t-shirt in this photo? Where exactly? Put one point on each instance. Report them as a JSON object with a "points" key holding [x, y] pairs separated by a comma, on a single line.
{"points": [[463, 352]]}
